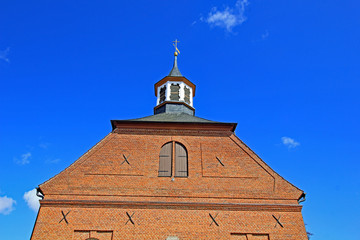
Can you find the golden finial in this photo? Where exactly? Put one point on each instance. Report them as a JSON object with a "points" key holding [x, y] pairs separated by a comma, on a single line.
{"points": [[177, 51]]}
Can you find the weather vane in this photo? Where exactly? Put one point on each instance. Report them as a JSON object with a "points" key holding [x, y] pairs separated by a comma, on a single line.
{"points": [[175, 45]]}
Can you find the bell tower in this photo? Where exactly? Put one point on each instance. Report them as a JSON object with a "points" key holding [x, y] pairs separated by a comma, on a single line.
{"points": [[174, 93]]}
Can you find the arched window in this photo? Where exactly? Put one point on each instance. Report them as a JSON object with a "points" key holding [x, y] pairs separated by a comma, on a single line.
{"points": [[173, 160]]}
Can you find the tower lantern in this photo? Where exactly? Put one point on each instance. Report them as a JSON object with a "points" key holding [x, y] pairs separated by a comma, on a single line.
{"points": [[174, 92]]}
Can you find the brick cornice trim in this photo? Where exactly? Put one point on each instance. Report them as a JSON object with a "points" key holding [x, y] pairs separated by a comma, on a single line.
{"points": [[173, 205], [171, 132], [165, 125]]}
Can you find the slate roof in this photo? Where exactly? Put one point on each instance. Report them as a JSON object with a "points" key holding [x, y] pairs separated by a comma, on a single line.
{"points": [[168, 118], [175, 72], [172, 117]]}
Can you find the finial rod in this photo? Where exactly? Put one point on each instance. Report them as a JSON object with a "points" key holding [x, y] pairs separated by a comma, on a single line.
{"points": [[175, 70]]}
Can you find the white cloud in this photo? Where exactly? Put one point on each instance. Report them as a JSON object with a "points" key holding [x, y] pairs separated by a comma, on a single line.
{"points": [[53, 160], [32, 200], [44, 145], [229, 17], [6, 205], [24, 159], [265, 35], [289, 142], [4, 55]]}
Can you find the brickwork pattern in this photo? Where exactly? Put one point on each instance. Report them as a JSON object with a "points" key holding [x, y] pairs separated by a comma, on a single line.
{"points": [[112, 223], [100, 187]]}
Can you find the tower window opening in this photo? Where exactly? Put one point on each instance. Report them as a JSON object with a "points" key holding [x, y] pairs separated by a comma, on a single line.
{"points": [[162, 94], [187, 95], [174, 92]]}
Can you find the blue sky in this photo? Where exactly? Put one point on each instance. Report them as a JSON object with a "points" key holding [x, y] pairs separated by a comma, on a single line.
{"points": [[286, 71]]}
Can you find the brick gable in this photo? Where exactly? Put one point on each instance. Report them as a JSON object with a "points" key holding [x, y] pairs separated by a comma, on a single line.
{"points": [[101, 188], [104, 170]]}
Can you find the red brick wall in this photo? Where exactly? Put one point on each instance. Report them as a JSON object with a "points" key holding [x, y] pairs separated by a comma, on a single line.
{"points": [[110, 223], [99, 188]]}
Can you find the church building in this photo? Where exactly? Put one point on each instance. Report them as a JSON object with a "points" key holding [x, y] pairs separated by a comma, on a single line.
{"points": [[170, 176]]}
